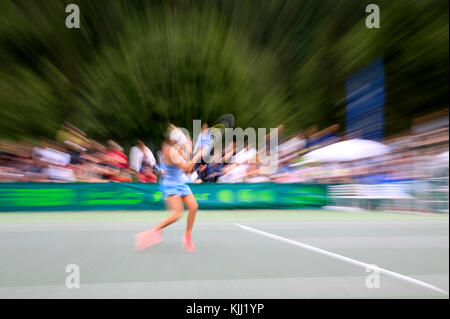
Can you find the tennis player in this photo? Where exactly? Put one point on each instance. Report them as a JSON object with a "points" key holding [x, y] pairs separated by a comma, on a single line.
{"points": [[175, 152]]}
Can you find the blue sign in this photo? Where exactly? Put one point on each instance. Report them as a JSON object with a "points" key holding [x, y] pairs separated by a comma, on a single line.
{"points": [[365, 102]]}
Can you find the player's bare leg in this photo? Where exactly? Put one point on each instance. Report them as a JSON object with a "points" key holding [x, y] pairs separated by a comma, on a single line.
{"points": [[176, 205], [152, 236], [192, 206]]}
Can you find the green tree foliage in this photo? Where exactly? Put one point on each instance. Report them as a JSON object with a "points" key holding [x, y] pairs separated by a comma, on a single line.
{"points": [[135, 66], [183, 67]]}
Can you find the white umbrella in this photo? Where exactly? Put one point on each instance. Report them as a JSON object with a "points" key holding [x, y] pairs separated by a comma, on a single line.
{"points": [[443, 157], [349, 150]]}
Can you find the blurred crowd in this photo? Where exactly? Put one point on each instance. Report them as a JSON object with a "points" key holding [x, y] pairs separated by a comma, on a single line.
{"points": [[410, 157], [73, 157]]}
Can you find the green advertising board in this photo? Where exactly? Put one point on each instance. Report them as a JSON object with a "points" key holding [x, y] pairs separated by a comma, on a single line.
{"points": [[138, 196]]}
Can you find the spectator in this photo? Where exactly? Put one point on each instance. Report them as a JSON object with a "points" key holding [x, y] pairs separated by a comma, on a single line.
{"points": [[140, 154], [204, 139], [147, 176], [115, 152], [202, 172]]}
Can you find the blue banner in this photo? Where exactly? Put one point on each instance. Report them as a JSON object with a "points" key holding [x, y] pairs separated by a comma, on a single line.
{"points": [[365, 102]]}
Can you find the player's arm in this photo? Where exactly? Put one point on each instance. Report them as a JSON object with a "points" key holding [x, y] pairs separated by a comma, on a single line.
{"points": [[174, 156], [189, 166]]}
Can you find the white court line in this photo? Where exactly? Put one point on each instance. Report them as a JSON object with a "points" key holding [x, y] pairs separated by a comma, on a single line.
{"points": [[340, 257]]}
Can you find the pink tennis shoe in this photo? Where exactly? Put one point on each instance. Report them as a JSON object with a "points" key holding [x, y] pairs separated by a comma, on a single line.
{"points": [[188, 244], [148, 238]]}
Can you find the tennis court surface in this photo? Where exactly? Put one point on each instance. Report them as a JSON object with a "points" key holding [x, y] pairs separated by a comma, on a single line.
{"points": [[239, 254]]}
